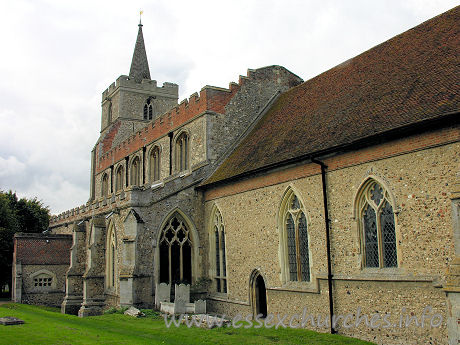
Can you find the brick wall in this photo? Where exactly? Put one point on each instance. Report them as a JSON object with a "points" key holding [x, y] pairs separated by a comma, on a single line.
{"points": [[38, 249]]}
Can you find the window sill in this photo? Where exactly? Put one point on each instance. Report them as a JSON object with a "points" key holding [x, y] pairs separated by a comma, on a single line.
{"points": [[219, 296], [312, 286], [157, 184], [395, 274]]}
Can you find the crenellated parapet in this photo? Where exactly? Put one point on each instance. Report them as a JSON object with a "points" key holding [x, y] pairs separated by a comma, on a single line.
{"points": [[210, 99], [91, 208], [149, 86]]}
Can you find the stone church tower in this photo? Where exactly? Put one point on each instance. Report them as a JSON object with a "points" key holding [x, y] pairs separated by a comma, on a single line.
{"points": [[144, 223], [275, 195]]}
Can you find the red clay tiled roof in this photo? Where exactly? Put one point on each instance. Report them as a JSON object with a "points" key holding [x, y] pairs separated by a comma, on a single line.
{"points": [[412, 77]]}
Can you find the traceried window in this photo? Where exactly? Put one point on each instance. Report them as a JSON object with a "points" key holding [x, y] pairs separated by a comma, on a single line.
{"points": [[182, 144], [377, 223], [148, 109], [111, 261], [135, 172], [155, 164], [218, 236], [105, 185], [119, 179], [175, 252], [296, 257]]}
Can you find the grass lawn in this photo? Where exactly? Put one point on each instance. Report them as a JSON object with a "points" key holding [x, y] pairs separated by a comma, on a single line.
{"points": [[48, 326]]}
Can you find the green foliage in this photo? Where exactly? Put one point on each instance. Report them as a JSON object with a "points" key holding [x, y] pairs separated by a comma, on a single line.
{"points": [[152, 313], [45, 326], [17, 215], [114, 310]]}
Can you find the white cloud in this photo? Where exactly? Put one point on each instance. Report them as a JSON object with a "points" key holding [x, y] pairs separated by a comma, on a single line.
{"points": [[58, 56]]}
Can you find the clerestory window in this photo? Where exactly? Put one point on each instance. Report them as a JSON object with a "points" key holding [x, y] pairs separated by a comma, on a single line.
{"points": [[105, 185], [154, 164], [119, 179], [182, 148], [135, 172]]}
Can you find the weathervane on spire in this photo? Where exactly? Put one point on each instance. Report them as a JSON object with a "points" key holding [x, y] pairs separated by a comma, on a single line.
{"points": [[140, 17]]}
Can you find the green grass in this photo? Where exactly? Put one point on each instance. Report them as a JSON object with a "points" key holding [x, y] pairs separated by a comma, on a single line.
{"points": [[48, 326]]}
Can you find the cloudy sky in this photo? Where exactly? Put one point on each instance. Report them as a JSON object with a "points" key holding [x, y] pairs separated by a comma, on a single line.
{"points": [[58, 56]]}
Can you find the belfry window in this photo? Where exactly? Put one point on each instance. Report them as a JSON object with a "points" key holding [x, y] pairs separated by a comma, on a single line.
{"points": [[182, 159], [294, 240], [119, 179], [377, 223], [154, 164], [109, 113], [148, 109], [135, 172], [218, 235], [175, 252]]}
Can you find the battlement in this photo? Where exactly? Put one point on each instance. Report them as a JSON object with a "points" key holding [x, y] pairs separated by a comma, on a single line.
{"points": [[210, 98], [100, 206], [146, 85]]}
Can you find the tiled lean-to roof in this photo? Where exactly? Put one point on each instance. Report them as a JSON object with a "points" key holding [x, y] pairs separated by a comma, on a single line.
{"points": [[412, 77]]}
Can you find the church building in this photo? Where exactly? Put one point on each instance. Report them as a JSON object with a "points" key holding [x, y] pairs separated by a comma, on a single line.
{"points": [[339, 196]]}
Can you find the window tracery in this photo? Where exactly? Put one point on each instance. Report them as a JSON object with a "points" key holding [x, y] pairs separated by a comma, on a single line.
{"points": [[377, 225], [294, 240], [220, 261], [175, 252]]}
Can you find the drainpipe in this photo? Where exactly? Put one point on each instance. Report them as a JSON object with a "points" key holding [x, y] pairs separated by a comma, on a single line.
{"points": [[328, 242]]}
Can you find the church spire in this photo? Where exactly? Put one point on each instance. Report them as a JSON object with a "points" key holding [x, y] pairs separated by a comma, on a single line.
{"points": [[139, 65]]}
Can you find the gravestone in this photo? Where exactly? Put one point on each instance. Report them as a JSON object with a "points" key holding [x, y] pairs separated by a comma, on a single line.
{"points": [[182, 293], [162, 294], [200, 307], [9, 320]]}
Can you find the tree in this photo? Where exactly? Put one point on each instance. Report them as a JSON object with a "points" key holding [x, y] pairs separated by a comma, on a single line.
{"points": [[23, 215]]}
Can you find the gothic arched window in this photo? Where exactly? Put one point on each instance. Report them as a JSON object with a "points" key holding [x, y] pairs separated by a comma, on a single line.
{"points": [[111, 259], [148, 109], [175, 252], [154, 164], [182, 160], [119, 179], [135, 172], [218, 249], [294, 240], [377, 226], [105, 185]]}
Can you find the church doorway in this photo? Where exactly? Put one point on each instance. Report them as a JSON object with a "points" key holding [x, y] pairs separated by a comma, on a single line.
{"points": [[175, 252], [258, 294]]}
